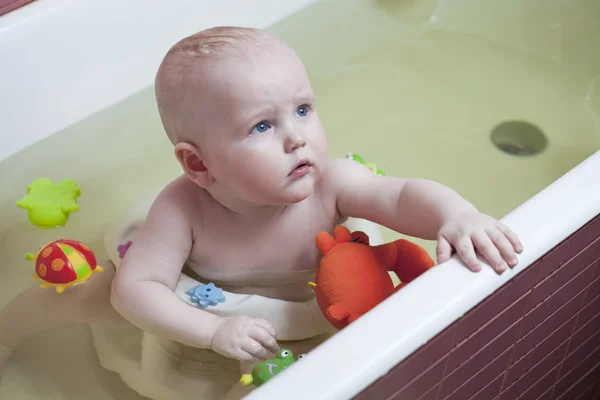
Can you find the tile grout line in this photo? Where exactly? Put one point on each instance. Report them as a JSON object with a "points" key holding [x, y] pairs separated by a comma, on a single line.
{"points": [[413, 380], [584, 290], [589, 387], [492, 320], [560, 366], [482, 389], [544, 394], [552, 371], [477, 373], [519, 333], [580, 379], [539, 362], [452, 348], [594, 336], [566, 262], [490, 343]]}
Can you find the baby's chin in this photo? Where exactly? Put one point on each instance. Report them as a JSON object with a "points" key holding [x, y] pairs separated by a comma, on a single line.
{"points": [[287, 196], [298, 198], [299, 191]]}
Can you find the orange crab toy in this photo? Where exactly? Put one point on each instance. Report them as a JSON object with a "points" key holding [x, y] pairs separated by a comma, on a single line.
{"points": [[353, 277], [64, 263]]}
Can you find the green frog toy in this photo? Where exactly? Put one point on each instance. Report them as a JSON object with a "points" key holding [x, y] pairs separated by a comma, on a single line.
{"points": [[269, 368], [371, 166], [49, 204]]}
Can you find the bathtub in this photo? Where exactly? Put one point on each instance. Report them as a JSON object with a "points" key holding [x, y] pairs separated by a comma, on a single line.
{"points": [[417, 87]]}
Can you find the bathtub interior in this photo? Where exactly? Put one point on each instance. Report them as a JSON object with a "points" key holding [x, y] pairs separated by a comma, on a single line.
{"points": [[415, 88]]}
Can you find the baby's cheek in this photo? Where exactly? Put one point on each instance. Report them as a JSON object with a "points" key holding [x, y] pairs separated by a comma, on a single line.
{"points": [[320, 150], [318, 140], [261, 170]]}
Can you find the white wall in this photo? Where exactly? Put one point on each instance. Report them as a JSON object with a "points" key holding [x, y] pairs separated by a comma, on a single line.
{"points": [[62, 60]]}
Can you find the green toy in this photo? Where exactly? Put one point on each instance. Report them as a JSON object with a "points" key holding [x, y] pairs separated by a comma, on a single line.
{"points": [[48, 204], [371, 166], [269, 368]]}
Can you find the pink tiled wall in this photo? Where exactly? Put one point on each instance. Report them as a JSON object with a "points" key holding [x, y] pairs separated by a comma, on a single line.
{"points": [[536, 338], [7, 6]]}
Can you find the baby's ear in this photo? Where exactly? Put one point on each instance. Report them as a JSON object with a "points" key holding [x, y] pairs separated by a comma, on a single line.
{"points": [[325, 242], [190, 159], [342, 234]]}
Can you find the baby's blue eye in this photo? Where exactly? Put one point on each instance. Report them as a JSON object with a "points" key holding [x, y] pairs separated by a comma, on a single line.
{"points": [[261, 127], [302, 111]]}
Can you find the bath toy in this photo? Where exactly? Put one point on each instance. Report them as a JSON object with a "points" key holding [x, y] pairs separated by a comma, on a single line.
{"points": [[49, 204], [122, 248], [206, 295], [266, 370], [371, 166], [64, 263], [352, 276]]}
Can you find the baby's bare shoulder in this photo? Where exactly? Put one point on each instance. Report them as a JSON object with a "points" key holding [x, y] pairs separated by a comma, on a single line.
{"points": [[166, 237], [337, 173], [179, 200]]}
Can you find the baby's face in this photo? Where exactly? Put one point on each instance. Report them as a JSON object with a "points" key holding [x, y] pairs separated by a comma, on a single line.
{"points": [[264, 142]]}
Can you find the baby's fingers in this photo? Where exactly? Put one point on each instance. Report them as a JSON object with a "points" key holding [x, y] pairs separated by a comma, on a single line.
{"points": [[488, 250], [264, 338], [465, 250], [240, 355], [254, 348], [503, 245], [511, 236], [266, 325], [444, 250]]}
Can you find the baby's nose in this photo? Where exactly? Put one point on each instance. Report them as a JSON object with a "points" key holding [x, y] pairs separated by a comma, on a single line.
{"points": [[294, 141]]}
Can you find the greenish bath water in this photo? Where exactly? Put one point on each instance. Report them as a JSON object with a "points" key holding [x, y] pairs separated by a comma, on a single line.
{"points": [[419, 99]]}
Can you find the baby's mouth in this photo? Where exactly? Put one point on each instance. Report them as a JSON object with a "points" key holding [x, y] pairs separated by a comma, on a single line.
{"points": [[301, 169]]}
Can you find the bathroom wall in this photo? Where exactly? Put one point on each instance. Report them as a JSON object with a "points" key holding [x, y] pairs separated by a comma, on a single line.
{"points": [[537, 337]]}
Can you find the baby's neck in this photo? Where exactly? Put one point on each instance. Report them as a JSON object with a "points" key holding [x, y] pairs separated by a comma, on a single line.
{"points": [[248, 212]]}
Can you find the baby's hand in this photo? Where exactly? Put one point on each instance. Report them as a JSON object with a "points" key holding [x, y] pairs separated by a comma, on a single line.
{"points": [[244, 338], [492, 239]]}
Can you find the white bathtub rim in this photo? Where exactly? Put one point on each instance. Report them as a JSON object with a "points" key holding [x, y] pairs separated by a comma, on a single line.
{"points": [[356, 357]]}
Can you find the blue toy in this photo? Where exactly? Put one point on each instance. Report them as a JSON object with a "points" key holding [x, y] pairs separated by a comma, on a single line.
{"points": [[206, 295]]}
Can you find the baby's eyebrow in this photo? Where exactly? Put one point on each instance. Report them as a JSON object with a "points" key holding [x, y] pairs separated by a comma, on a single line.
{"points": [[254, 117], [304, 97]]}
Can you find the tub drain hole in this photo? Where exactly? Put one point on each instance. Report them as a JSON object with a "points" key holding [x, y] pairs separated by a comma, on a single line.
{"points": [[519, 138]]}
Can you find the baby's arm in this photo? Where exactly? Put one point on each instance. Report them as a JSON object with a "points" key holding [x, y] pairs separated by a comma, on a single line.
{"points": [[143, 289], [424, 209]]}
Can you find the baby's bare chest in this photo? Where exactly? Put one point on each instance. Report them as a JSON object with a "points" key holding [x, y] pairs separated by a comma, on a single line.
{"points": [[283, 244]]}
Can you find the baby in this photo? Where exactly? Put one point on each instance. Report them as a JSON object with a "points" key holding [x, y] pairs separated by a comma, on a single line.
{"points": [[257, 188]]}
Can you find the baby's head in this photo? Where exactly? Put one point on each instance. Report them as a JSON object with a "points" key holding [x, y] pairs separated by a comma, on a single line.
{"points": [[238, 106]]}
